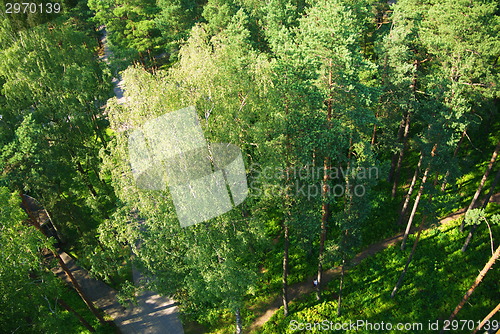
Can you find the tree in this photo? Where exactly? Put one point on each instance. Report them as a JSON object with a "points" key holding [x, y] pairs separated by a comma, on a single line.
{"points": [[51, 124], [481, 184], [22, 275], [329, 35], [212, 265], [483, 272], [30, 292], [449, 79], [293, 108], [147, 29], [401, 58], [131, 24], [176, 18]]}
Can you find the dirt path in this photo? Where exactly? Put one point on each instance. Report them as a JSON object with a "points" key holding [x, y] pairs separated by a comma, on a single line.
{"points": [[302, 288], [152, 314]]}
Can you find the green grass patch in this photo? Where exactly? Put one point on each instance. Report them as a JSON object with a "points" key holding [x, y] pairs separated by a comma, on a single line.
{"points": [[436, 281], [61, 321]]}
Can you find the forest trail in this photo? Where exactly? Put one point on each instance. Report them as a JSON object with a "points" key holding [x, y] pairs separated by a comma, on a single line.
{"points": [[299, 289], [152, 314]]}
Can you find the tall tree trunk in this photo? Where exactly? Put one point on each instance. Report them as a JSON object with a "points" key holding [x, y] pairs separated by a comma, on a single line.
{"points": [[285, 270], [415, 206], [478, 280], [286, 227], [417, 199], [63, 266], [80, 318], [239, 327], [396, 155], [488, 317], [406, 123], [397, 170], [408, 261], [341, 287], [324, 221], [97, 129], [404, 208], [374, 133], [325, 208], [485, 203], [321, 249], [481, 184]]}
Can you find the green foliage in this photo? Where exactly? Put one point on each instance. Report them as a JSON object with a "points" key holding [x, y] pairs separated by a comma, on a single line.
{"points": [[52, 133], [294, 84], [147, 30], [476, 216], [210, 265], [29, 290], [131, 24], [438, 278]]}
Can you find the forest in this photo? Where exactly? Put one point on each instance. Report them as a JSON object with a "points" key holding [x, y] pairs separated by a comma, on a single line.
{"points": [[356, 142]]}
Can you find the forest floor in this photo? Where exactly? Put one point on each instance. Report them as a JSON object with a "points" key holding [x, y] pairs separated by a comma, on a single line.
{"points": [[300, 289]]}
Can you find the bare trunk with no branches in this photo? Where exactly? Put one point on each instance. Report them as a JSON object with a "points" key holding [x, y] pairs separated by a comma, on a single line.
{"points": [[285, 270], [478, 280], [488, 317], [400, 154], [417, 200], [485, 203], [239, 326], [481, 184], [325, 207], [408, 261], [404, 209]]}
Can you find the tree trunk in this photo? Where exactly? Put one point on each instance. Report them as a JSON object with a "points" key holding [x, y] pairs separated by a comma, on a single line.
{"points": [[321, 251], [417, 200], [97, 129], [324, 220], [82, 319], [396, 155], [481, 184], [408, 261], [341, 286], [324, 192], [488, 317], [402, 213], [374, 133], [485, 203], [397, 170], [414, 210], [478, 280], [285, 271], [239, 327], [78, 289]]}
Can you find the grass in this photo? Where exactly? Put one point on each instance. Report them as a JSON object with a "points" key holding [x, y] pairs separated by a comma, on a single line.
{"points": [[62, 321], [436, 281]]}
